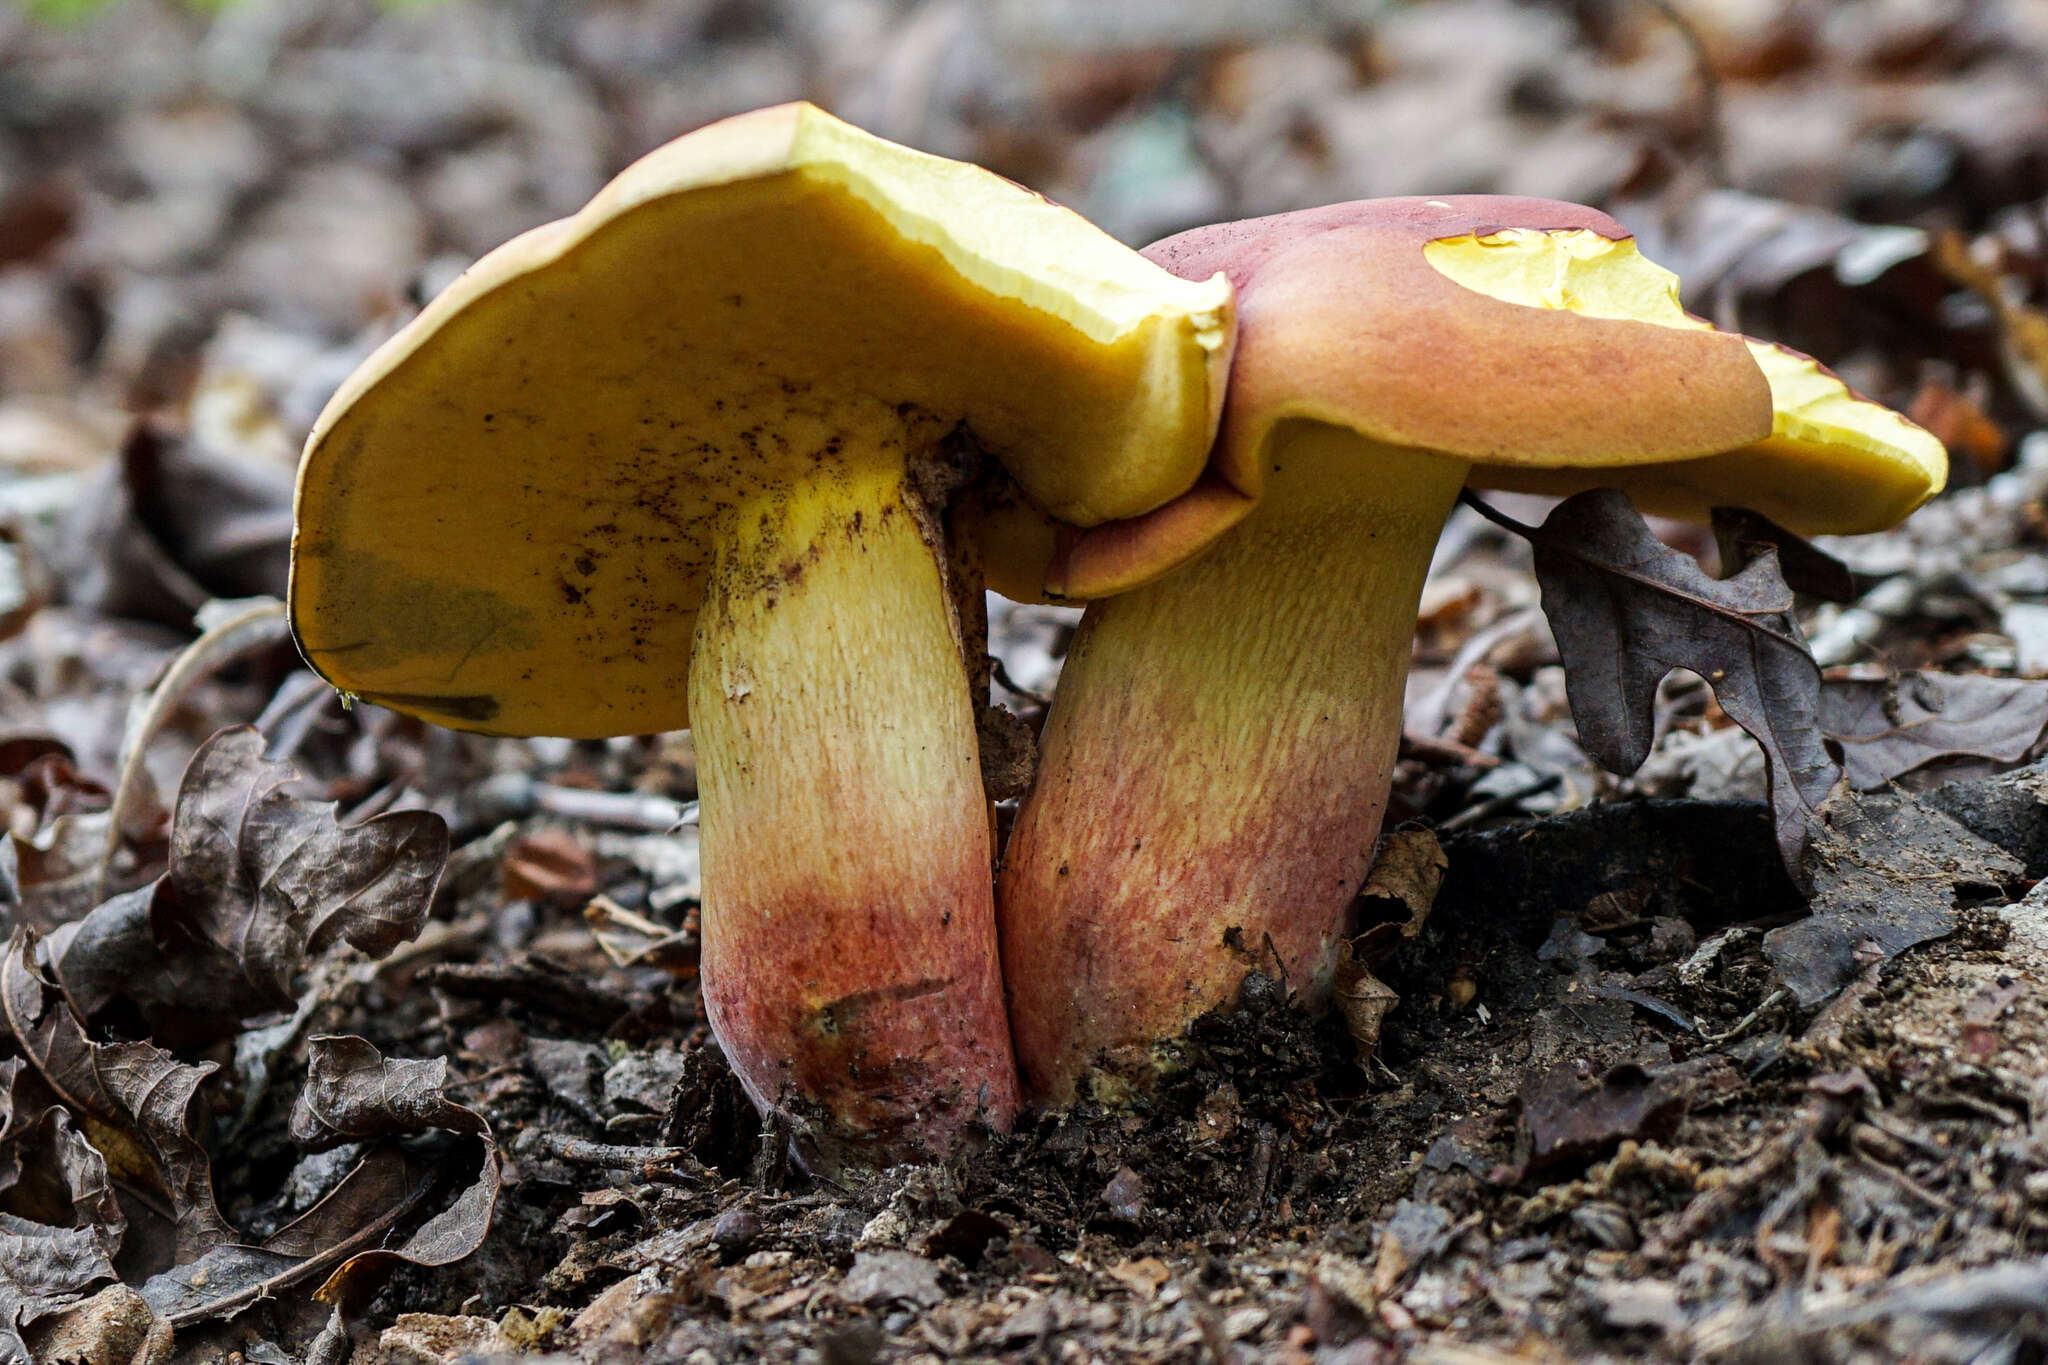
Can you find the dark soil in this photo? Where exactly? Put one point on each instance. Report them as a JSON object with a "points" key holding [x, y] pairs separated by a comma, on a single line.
{"points": [[1592, 1123]]}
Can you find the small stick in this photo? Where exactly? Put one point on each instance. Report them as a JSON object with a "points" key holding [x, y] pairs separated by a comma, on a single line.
{"points": [[648, 1162], [255, 624], [1433, 750]]}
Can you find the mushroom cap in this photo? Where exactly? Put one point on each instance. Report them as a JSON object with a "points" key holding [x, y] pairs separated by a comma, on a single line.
{"points": [[1343, 318], [1834, 462], [1531, 338], [506, 515]]}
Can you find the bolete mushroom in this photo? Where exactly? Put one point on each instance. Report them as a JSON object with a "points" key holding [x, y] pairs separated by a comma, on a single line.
{"points": [[678, 460], [1217, 757]]}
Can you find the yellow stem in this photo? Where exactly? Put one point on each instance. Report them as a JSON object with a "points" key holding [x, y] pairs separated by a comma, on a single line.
{"points": [[1216, 762], [849, 960]]}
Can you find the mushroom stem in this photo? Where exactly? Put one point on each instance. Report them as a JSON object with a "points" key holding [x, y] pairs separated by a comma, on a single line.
{"points": [[1216, 762], [849, 958]]}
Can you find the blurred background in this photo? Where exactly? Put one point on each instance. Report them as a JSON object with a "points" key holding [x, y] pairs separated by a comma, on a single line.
{"points": [[210, 212]]}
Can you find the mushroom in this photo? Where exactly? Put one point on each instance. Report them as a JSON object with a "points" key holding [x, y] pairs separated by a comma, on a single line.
{"points": [[681, 460], [1217, 757]]}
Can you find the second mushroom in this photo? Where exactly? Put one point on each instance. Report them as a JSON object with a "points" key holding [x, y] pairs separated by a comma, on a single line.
{"points": [[1217, 757]]}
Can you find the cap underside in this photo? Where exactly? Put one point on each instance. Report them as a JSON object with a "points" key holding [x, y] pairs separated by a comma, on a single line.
{"points": [[505, 519]]}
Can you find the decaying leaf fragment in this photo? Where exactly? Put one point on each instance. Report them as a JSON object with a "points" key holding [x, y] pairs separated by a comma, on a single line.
{"points": [[358, 1213], [1405, 878], [352, 1237], [1566, 1117], [48, 1168], [1627, 609], [1885, 871], [138, 1105], [1743, 535], [1892, 726], [353, 1092], [259, 882]]}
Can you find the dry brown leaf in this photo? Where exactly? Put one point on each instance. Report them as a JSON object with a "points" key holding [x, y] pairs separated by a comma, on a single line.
{"points": [[260, 881], [136, 1103]]}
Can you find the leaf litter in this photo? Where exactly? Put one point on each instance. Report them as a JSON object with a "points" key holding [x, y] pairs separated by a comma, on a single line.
{"points": [[260, 884]]}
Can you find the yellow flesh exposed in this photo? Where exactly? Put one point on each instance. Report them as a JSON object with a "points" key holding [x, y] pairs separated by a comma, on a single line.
{"points": [[505, 518], [1835, 462]]}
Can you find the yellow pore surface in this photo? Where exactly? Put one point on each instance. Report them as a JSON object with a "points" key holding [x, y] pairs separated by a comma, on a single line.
{"points": [[1835, 462], [506, 517]]}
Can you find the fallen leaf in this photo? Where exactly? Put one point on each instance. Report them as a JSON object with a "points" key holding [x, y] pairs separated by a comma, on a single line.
{"points": [[1957, 419], [353, 1092], [1404, 881], [1363, 1001], [1422, 1230], [1565, 1118], [50, 1172], [1627, 610], [1743, 535], [380, 1192], [1889, 727], [45, 1268], [57, 872], [2024, 326], [552, 864], [630, 939], [885, 1277], [1885, 871], [138, 1105], [1125, 1194], [1144, 1277], [259, 882], [113, 1327], [174, 524], [1408, 872]]}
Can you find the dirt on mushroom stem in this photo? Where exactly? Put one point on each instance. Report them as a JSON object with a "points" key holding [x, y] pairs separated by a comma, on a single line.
{"points": [[855, 989]]}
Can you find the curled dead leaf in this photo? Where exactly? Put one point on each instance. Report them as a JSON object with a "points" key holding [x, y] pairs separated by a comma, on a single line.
{"points": [[259, 882], [1627, 610], [136, 1103]]}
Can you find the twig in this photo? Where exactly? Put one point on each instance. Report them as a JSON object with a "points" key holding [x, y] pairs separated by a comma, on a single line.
{"points": [[1430, 715], [364, 1238], [1904, 1182], [291, 714], [649, 1163], [1819, 1116], [1431, 750], [1009, 684], [508, 795], [1485, 810], [258, 624], [1743, 1023]]}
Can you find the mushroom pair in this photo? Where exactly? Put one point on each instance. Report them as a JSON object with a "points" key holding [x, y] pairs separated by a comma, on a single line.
{"points": [[683, 459], [1215, 764], [687, 458]]}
